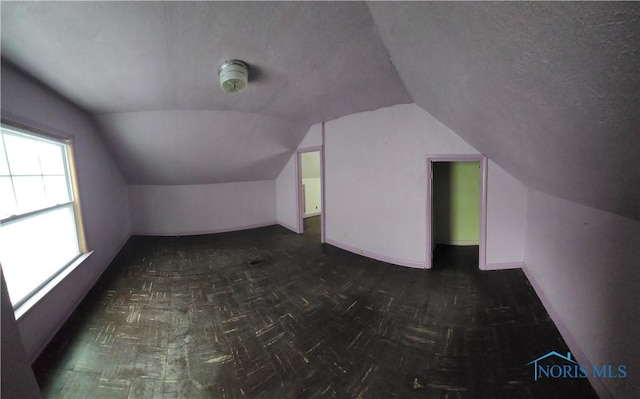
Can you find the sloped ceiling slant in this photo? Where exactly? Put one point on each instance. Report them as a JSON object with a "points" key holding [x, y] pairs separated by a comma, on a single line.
{"points": [[148, 71], [549, 90]]}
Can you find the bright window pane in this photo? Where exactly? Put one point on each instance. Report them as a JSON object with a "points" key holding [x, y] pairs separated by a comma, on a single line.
{"points": [[7, 201], [23, 155], [34, 248], [4, 168], [37, 239], [56, 190], [29, 193], [51, 158]]}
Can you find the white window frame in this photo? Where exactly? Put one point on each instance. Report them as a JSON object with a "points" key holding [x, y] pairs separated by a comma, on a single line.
{"points": [[22, 305]]}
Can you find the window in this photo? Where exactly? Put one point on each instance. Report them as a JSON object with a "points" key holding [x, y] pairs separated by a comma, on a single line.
{"points": [[40, 233]]}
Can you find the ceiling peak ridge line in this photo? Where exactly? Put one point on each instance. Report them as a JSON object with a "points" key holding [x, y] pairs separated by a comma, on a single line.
{"points": [[385, 44]]}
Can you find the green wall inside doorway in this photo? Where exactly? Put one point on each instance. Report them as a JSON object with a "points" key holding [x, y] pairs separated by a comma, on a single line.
{"points": [[456, 203]]}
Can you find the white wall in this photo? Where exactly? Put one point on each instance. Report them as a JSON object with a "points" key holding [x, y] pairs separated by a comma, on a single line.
{"points": [[506, 219], [286, 184], [310, 169], [313, 199], [203, 208], [583, 263], [103, 194], [310, 164]]}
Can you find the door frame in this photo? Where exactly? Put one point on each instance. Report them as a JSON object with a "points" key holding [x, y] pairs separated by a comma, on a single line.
{"points": [[299, 194], [430, 159]]}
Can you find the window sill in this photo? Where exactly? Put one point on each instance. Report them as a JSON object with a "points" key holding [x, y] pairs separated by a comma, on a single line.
{"points": [[24, 309]]}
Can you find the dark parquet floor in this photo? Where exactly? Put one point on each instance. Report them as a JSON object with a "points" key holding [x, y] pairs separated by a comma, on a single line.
{"points": [[270, 314]]}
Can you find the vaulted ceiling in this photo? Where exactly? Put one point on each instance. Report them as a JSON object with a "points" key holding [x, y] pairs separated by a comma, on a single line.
{"points": [[149, 72], [549, 91]]}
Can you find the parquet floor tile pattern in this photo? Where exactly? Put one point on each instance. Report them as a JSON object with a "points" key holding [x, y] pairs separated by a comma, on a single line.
{"points": [[270, 314]]}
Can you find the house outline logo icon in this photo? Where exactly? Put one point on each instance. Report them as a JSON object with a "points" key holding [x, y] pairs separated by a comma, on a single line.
{"points": [[570, 368], [549, 354]]}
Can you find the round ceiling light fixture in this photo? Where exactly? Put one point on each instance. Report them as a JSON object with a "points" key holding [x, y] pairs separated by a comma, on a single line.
{"points": [[234, 75]]}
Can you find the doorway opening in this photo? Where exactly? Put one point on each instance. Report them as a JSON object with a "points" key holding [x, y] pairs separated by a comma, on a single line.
{"points": [[456, 211], [311, 192]]}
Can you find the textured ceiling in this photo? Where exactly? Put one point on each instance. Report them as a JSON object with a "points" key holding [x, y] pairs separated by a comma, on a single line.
{"points": [[200, 147], [550, 91], [134, 64]]}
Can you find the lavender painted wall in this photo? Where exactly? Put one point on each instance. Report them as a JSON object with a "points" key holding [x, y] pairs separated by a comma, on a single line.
{"points": [[286, 182], [202, 208], [103, 194], [584, 265], [313, 138], [376, 180], [286, 200], [375, 165], [506, 219], [17, 378]]}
